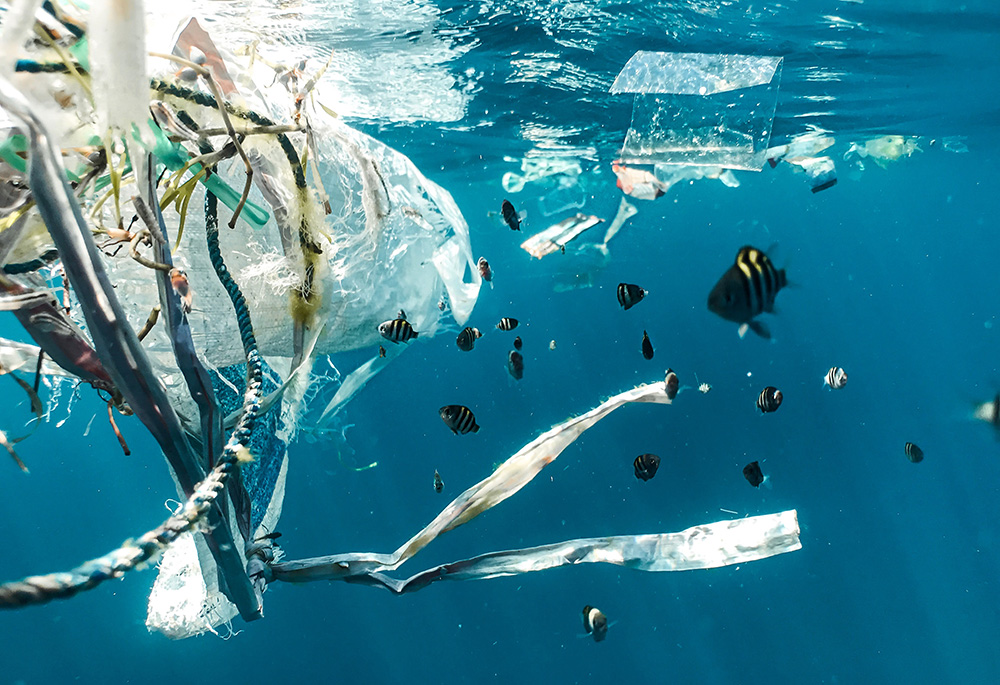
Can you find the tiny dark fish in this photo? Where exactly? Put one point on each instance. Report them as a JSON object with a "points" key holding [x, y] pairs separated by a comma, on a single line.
{"points": [[629, 295], [398, 330], [507, 324], [595, 623], [747, 289], [269, 536], [835, 378], [645, 466], [381, 352], [753, 474], [459, 419], [769, 399], [913, 453], [647, 347], [484, 269], [672, 384], [517, 343], [510, 216], [515, 364], [438, 483], [467, 338]]}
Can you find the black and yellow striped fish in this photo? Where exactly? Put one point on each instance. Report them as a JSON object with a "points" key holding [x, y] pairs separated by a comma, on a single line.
{"points": [[913, 453], [769, 399], [507, 324], [645, 466], [747, 289], [459, 419], [397, 331], [629, 295]]}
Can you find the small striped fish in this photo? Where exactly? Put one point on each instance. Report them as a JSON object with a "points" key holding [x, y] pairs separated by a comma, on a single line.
{"points": [[466, 340], [913, 453], [459, 419], [645, 466], [748, 288], [835, 378], [769, 399], [507, 324], [629, 295], [398, 330]]}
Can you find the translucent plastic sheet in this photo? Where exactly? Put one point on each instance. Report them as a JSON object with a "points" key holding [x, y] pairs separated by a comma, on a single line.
{"points": [[556, 237], [698, 109], [701, 547]]}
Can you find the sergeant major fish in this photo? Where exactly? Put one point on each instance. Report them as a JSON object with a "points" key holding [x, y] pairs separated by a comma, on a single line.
{"points": [[485, 271], [467, 338], [515, 364], [769, 399], [507, 324], [629, 295], [836, 378], [645, 466], [398, 330], [459, 419], [747, 289]]}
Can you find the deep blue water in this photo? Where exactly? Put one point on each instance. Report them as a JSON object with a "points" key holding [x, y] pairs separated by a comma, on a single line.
{"points": [[894, 273]]}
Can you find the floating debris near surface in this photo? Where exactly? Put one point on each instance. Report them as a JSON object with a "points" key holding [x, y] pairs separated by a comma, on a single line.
{"points": [[555, 238], [595, 623], [629, 295], [466, 340], [515, 364], [704, 388], [747, 289], [647, 346], [913, 453], [645, 466], [438, 483], [507, 324], [769, 399], [836, 378], [753, 474], [459, 419], [672, 384]]}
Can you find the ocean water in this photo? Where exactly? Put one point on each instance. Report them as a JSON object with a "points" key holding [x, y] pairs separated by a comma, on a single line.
{"points": [[893, 275]]}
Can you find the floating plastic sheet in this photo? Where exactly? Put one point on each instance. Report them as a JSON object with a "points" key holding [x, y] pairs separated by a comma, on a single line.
{"points": [[556, 237], [708, 546], [699, 109]]}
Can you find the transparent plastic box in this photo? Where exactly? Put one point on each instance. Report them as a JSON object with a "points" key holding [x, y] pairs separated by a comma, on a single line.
{"points": [[698, 109]]}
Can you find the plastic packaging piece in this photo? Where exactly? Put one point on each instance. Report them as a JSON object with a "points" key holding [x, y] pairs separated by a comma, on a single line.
{"points": [[882, 150], [556, 237], [699, 109], [708, 546]]}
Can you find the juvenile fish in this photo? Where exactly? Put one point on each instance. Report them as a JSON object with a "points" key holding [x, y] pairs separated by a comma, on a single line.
{"points": [[647, 347], [747, 289], [515, 364], [467, 338], [459, 419], [381, 352], [510, 215], [913, 453], [485, 271], [517, 343], [645, 466], [595, 623], [507, 324], [990, 412], [753, 474], [769, 399], [835, 378], [180, 284], [629, 295], [438, 483], [672, 384], [398, 330]]}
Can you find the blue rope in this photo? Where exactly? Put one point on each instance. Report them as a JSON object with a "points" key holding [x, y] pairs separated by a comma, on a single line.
{"points": [[253, 393]]}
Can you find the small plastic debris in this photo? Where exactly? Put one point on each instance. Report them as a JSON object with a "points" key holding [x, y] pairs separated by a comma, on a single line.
{"points": [[556, 237]]}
